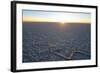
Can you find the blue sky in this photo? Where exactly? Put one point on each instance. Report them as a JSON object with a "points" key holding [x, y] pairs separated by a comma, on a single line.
{"points": [[30, 15]]}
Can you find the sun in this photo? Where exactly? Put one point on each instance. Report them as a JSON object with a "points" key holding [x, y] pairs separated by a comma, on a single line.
{"points": [[62, 23]]}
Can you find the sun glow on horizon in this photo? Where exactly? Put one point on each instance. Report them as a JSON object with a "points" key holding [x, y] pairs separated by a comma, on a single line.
{"points": [[63, 23]]}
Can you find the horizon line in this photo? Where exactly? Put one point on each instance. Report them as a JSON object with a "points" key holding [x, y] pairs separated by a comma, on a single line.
{"points": [[55, 22]]}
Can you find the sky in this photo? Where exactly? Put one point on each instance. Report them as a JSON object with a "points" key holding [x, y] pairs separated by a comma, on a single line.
{"points": [[51, 16]]}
